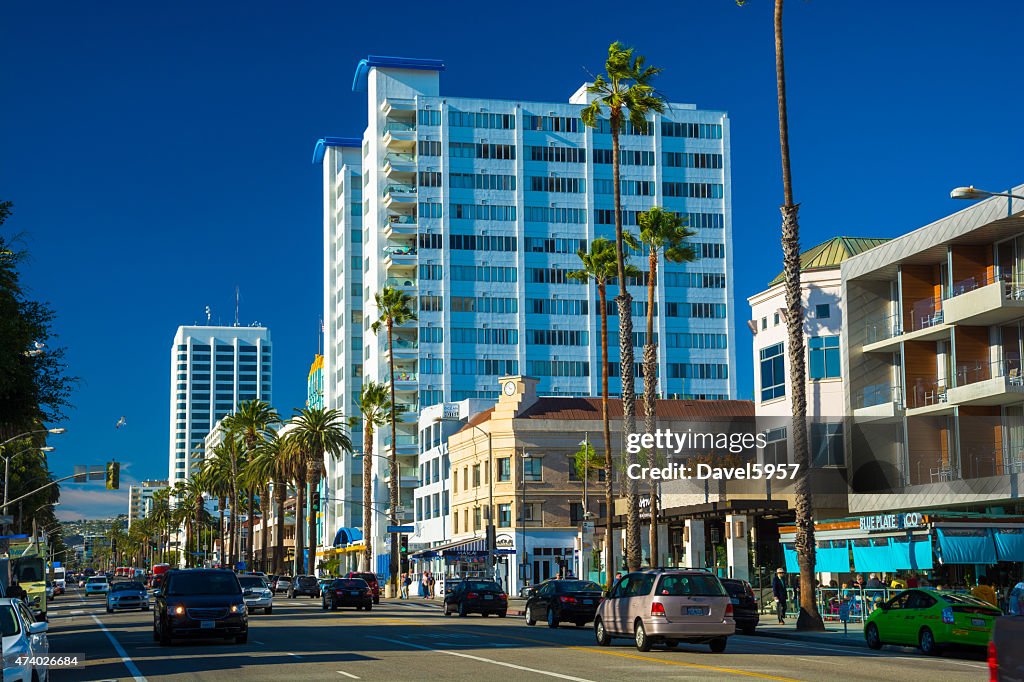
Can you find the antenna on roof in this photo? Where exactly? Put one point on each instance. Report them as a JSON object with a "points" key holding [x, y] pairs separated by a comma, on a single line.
{"points": [[236, 305]]}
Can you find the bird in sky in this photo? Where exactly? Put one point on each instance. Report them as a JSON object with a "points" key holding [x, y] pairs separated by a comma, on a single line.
{"points": [[123, 421]]}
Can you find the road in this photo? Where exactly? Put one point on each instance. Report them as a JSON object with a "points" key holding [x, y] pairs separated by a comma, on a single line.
{"points": [[415, 642]]}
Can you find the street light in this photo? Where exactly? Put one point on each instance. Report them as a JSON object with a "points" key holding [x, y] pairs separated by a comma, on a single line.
{"points": [[56, 430], [8, 458], [972, 193]]}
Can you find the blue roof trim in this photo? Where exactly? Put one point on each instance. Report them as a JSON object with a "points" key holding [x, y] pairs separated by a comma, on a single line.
{"points": [[364, 66], [324, 142]]}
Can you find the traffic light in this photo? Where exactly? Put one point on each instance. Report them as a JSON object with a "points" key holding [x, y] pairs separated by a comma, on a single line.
{"points": [[315, 506], [403, 544], [113, 475]]}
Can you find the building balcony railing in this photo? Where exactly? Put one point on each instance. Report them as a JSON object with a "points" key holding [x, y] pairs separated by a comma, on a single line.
{"points": [[879, 401], [403, 225], [881, 329], [925, 313], [400, 344], [404, 283], [399, 126], [988, 383], [403, 441], [932, 466], [398, 164], [927, 393], [986, 301], [400, 197]]}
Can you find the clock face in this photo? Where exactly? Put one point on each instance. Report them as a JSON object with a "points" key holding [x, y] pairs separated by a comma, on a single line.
{"points": [[510, 387]]}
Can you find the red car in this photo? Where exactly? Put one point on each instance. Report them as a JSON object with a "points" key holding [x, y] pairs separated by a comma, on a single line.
{"points": [[371, 580]]}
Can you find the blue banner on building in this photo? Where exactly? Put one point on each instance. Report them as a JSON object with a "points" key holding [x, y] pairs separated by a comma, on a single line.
{"points": [[967, 546]]}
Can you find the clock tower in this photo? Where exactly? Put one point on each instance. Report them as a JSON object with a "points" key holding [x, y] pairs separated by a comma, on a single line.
{"points": [[517, 394]]}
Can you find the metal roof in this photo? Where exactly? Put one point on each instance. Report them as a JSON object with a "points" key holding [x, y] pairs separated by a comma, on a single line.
{"points": [[830, 254]]}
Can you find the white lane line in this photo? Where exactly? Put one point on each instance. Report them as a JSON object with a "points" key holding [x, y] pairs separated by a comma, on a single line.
{"points": [[77, 613], [132, 669], [295, 655], [255, 642], [342, 672], [483, 660]]}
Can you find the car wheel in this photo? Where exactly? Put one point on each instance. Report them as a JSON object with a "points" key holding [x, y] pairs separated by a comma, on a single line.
{"points": [[872, 637], [446, 611], [462, 610], [600, 634], [643, 643], [165, 636], [530, 620], [242, 638], [927, 642], [552, 619], [369, 607], [376, 600], [110, 610], [718, 645], [269, 610]]}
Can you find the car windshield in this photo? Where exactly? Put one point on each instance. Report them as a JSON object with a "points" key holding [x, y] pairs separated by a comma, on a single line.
{"points": [[307, 579], [203, 583], [475, 585], [9, 625], [120, 587], [249, 581], [690, 586], [577, 586], [963, 599], [350, 584], [93, 581]]}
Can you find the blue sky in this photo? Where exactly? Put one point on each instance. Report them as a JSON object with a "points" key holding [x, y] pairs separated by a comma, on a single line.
{"points": [[160, 156]]}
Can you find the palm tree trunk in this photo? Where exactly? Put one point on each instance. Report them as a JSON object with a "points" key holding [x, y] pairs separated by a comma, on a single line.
{"points": [[220, 528], [250, 544], [809, 618], [264, 498], [313, 477], [368, 494], [393, 563], [625, 306], [300, 512], [650, 397], [609, 500], [280, 494]]}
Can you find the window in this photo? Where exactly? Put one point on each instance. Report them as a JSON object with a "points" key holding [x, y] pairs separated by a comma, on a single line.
{"points": [[470, 119], [557, 154], [428, 117], [692, 160], [481, 181], [823, 357], [504, 469], [693, 190], [709, 131], [469, 150], [504, 515], [533, 514], [827, 444], [483, 212], [532, 470], [430, 179], [764, 323], [476, 475], [775, 449], [557, 306], [547, 214], [475, 242], [823, 311], [477, 516], [575, 513], [539, 183], [430, 148], [773, 372], [557, 124]]}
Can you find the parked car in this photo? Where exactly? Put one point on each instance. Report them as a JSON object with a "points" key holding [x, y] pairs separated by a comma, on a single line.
{"points": [[666, 606], [200, 602], [744, 604], [256, 593], [554, 601], [130, 595], [50, 591], [98, 584], [22, 637], [371, 580], [1005, 658], [476, 596], [283, 584], [304, 585], [347, 592], [931, 620]]}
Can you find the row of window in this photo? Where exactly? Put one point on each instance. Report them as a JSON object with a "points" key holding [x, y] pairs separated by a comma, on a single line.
{"points": [[692, 160], [467, 119], [501, 337], [485, 367], [823, 362], [478, 181], [694, 190], [565, 124], [481, 150], [558, 337], [640, 188], [483, 212]]}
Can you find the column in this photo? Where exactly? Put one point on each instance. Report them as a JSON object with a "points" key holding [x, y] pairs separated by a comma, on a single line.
{"points": [[693, 543], [736, 528], [666, 551]]}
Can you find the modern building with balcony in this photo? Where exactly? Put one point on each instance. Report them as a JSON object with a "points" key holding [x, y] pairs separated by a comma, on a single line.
{"points": [[140, 499], [477, 208]]}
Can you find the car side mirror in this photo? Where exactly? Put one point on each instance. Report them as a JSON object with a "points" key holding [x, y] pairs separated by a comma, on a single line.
{"points": [[38, 628]]}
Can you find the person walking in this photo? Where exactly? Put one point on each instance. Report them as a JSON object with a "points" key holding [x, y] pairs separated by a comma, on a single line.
{"points": [[406, 581], [430, 585], [1017, 599], [780, 593]]}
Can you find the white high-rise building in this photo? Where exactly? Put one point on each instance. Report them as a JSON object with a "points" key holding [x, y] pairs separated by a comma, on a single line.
{"points": [[477, 208], [140, 499], [213, 369]]}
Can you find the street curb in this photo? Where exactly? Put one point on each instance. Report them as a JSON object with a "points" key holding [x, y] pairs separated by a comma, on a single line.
{"points": [[439, 607], [815, 638]]}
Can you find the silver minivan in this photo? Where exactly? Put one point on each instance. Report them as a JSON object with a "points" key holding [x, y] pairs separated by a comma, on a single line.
{"points": [[666, 606]]}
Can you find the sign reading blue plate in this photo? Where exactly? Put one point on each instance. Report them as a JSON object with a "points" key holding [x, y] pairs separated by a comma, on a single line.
{"points": [[401, 529]]}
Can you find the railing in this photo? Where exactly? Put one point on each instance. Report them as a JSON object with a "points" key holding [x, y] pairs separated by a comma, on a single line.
{"points": [[400, 282], [396, 250], [398, 157], [926, 313], [882, 328], [402, 219], [402, 440], [932, 466], [399, 343], [405, 376], [880, 394], [927, 392], [399, 127], [1012, 280], [400, 189], [972, 372]]}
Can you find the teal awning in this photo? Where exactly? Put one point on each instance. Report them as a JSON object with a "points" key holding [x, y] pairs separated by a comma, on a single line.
{"points": [[912, 553], [873, 555], [967, 546], [1009, 543]]}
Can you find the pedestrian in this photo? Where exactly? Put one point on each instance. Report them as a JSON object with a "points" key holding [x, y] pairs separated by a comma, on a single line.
{"points": [[1017, 599], [406, 581], [912, 581], [984, 592], [430, 585], [874, 583], [618, 576], [425, 585], [780, 593]]}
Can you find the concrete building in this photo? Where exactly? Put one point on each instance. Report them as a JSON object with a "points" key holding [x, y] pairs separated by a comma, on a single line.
{"points": [[476, 208], [140, 499], [213, 369]]}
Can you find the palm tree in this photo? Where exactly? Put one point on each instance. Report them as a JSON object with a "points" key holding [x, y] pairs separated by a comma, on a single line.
{"points": [[228, 452], [319, 432], [663, 232], [375, 406], [624, 89], [260, 470], [282, 450], [393, 307], [600, 266], [297, 475], [217, 478], [809, 618]]}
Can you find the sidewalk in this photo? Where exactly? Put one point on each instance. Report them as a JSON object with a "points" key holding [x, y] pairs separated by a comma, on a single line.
{"points": [[516, 606], [833, 634]]}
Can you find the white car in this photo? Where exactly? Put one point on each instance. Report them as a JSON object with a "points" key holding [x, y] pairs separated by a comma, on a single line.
{"points": [[283, 585], [23, 638], [97, 585], [256, 593]]}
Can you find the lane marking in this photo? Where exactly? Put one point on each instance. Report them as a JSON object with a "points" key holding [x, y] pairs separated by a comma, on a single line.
{"points": [[132, 668], [483, 660], [255, 642], [342, 672], [295, 655]]}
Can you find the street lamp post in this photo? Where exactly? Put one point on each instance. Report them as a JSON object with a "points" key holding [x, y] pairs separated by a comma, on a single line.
{"points": [[522, 521], [8, 458], [971, 193], [490, 503]]}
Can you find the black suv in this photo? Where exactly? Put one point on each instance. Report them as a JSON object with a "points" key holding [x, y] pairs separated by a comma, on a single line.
{"points": [[199, 602], [304, 584], [476, 596], [744, 604]]}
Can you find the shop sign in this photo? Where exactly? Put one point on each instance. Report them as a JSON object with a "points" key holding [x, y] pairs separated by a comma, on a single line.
{"points": [[504, 541], [645, 507], [450, 411], [893, 521]]}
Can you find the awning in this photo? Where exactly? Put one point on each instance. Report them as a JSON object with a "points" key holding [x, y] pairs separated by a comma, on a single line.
{"points": [[453, 548], [967, 546], [831, 556], [872, 555], [1009, 543], [912, 552], [346, 536]]}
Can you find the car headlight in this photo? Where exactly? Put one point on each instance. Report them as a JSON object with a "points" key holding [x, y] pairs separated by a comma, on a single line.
{"points": [[268, 593], [179, 610], [238, 608]]}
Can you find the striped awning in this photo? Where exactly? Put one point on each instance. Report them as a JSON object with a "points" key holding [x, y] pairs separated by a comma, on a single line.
{"points": [[453, 548]]}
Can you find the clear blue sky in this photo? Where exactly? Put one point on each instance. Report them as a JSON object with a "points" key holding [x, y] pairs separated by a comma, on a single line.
{"points": [[158, 156]]}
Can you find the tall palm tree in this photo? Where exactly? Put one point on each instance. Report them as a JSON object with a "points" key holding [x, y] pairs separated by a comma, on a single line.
{"points": [[625, 91], [393, 307], [319, 432], [260, 470], [229, 452], [282, 450], [217, 478], [600, 266], [375, 406], [809, 618], [297, 475], [663, 232]]}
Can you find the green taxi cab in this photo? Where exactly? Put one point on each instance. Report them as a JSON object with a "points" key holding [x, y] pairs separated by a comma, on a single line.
{"points": [[931, 620]]}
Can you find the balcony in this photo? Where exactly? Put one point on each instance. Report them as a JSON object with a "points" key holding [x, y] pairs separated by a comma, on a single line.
{"points": [[400, 137], [406, 284], [879, 402], [404, 346], [997, 383], [399, 109], [400, 196], [399, 165], [982, 302], [404, 380], [932, 466], [928, 397], [400, 225], [885, 334], [408, 476], [399, 260], [406, 444]]}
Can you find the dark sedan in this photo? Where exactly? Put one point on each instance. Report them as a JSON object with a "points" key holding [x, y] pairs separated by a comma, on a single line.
{"points": [[199, 603], [554, 601], [744, 604], [305, 585], [371, 580], [476, 596], [347, 592]]}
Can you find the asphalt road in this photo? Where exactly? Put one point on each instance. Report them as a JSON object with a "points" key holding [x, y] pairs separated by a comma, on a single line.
{"points": [[413, 642]]}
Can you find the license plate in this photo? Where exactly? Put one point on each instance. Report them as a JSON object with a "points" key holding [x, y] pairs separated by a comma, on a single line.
{"points": [[355, 593], [694, 610], [208, 624], [734, 600], [488, 596], [980, 622], [588, 601]]}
